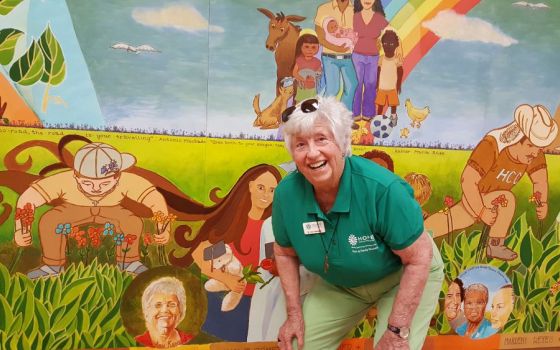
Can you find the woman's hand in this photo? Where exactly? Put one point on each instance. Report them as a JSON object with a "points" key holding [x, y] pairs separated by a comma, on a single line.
{"points": [[391, 341], [233, 282], [293, 327]]}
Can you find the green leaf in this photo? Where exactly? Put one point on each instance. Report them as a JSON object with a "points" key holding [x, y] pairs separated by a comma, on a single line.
{"points": [[23, 343], [83, 320], [37, 341], [255, 279], [14, 292], [530, 251], [25, 306], [31, 330], [527, 324], [39, 288], [28, 69], [537, 295], [247, 269], [97, 314], [65, 316], [5, 280], [6, 315], [48, 340], [552, 267], [55, 291], [42, 316], [8, 41], [442, 324], [537, 321], [510, 326], [74, 290], [15, 327], [518, 282], [6, 6], [63, 342], [55, 66], [111, 319]]}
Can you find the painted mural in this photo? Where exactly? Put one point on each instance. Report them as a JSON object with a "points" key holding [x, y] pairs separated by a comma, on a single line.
{"points": [[141, 144]]}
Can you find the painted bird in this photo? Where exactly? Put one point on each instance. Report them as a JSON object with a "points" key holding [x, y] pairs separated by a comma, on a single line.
{"points": [[416, 115], [404, 133]]}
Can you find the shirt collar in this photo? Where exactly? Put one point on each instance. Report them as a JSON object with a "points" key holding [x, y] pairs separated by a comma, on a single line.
{"points": [[343, 197]]}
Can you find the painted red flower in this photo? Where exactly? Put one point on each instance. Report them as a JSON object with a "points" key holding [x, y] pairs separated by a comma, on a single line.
{"points": [[129, 239], [148, 239], [270, 266], [448, 201]]}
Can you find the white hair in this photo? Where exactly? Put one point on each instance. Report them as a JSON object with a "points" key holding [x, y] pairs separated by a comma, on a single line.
{"points": [[168, 285], [477, 287], [328, 109]]}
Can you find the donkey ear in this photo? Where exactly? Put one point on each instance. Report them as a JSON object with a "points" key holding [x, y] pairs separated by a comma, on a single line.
{"points": [[294, 18], [266, 12]]}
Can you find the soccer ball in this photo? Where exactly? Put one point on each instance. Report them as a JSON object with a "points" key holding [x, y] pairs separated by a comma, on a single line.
{"points": [[382, 126]]}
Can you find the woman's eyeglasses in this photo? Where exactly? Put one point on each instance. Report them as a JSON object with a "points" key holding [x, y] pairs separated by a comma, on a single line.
{"points": [[306, 106]]}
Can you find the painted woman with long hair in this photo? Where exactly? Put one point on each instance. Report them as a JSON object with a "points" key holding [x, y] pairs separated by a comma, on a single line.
{"points": [[236, 221]]}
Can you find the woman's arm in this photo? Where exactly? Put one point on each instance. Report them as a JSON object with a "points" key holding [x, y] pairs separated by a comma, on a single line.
{"points": [[416, 259], [288, 269], [231, 281]]}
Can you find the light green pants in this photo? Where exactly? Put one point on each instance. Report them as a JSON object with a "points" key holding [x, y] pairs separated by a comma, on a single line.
{"points": [[330, 311]]}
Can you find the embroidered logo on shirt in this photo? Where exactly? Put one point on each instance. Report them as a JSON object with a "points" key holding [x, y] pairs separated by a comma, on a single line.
{"points": [[363, 243]]}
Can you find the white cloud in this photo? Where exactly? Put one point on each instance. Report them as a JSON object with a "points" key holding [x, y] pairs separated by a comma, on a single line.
{"points": [[448, 24], [180, 17]]}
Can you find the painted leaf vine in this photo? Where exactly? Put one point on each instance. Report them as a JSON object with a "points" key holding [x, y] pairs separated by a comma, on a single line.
{"points": [[28, 69], [8, 40], [6, 6], [54, 70]]}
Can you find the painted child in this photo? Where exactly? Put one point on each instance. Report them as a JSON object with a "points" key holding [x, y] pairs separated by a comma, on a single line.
{"points": [[307, 68], [389, 76]]}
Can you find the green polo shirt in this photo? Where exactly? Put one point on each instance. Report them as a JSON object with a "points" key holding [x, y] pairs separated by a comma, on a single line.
{"points": [[374, 213]]}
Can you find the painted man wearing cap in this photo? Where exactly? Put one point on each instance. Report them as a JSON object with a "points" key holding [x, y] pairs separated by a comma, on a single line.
{"points": [[92, 192], [497, 164]]}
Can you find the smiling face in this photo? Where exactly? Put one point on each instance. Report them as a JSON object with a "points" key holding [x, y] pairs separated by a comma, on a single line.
{"points": [[262, 190], [475, 304], [502, 305], [318, 157], [163, 312], [452, 301], [96, 187], [367, 4]]}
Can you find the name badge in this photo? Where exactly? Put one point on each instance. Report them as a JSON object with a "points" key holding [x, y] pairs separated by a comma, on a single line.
{"points": [[313, 227]]}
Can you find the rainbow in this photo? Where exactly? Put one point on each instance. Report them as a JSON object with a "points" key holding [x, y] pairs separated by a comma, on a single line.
{"points": [[407, 17]]}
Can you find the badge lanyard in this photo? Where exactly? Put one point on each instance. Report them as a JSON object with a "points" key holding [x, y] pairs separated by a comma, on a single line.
{"points": [[327, 248]]}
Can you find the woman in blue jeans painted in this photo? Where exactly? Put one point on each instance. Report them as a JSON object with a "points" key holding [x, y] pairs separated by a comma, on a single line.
{"points": [[369, 21]]}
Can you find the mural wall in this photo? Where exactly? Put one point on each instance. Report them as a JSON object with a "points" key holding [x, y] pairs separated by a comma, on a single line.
{"points": [[141, 146]]}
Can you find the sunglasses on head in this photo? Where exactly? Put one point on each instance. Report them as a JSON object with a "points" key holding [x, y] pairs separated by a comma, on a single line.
{"points": [[306, 106]]}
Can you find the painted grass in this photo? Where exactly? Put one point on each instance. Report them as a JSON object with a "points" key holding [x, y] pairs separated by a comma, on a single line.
{"points": [[196, 165]]}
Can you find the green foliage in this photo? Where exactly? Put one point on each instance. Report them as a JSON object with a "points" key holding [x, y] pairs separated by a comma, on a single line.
{"points": [[77, 309], [55, 67], [533, 274], [6, 6], [28, 69], [8, 40]]}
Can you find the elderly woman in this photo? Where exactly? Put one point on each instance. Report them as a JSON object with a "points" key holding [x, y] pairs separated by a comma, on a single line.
{"points": [[358, 226], [164, 306]]}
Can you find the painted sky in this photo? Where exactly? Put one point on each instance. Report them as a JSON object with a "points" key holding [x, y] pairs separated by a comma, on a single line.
{"points": [[212, 61]]}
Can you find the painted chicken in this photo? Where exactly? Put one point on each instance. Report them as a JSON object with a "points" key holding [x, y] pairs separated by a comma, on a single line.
{"points": [[416, 115]]}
